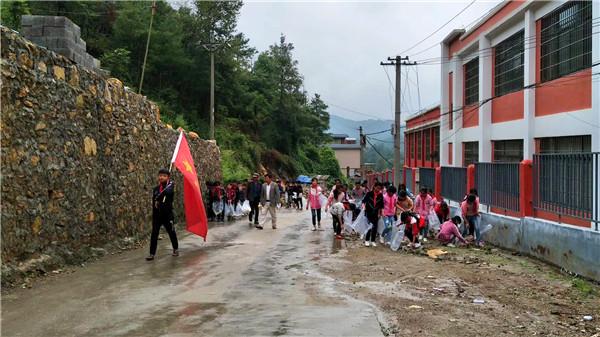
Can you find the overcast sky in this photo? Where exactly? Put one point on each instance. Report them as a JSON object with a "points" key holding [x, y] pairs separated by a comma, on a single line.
{"points": [[339, 46]]}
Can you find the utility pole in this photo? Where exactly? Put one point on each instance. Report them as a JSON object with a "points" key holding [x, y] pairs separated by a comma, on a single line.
{"points": [[397, 61], [212, 47], [147, 45], [362, 147]]}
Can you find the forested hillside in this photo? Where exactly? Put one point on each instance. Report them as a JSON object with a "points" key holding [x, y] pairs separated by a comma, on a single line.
{"points": [[263, 117]]}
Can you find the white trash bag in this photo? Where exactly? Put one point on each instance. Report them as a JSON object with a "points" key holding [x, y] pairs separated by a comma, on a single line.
{"points": [[486, 228], [434, 221], [380, 226], [228, 210], [246, 207], [361, 225], [217, 207], [348, 221], [237, 210], [397, 237], [323, 201]]}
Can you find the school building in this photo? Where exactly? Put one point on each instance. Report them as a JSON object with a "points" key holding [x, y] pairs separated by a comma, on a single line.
{"points": [[519, 120]]}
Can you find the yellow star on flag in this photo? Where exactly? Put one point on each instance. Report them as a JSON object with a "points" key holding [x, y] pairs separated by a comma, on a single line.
{"points": [[188, 167]]}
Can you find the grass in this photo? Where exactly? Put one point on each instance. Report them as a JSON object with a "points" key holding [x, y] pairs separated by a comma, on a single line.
{"points": [[586, 288]]}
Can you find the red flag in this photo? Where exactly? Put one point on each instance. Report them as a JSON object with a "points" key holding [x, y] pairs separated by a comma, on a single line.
{"points": [[195, 214]]}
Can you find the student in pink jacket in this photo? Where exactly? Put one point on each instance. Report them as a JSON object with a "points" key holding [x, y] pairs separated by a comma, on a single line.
{"points": [[449, 232], [390, 198], [314, 201], [423, 205]]}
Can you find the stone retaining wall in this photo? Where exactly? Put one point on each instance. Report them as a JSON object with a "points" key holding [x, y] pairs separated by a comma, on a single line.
{"points": [[80, 155]]}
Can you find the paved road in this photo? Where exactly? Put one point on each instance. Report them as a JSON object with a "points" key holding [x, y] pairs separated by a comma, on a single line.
{"points": [[242, 282]]}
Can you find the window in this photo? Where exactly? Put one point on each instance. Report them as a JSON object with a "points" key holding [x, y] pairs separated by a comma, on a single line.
{"points": [[508, 65], [450, 98], [412, 146], [510, 151], [570, 144], [470, 153], [449, 153], [566, 40], [436, 145], [472, 81], [418, 140], [427, 134]]}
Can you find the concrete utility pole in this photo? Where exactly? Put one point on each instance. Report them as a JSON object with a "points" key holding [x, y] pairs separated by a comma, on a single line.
{"points": [[147, 45], [212, 47], [362, 147], [397, 61]]}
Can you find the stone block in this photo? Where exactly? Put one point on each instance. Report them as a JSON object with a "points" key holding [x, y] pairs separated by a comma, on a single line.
{"points": [[32, 20], [32, 31], [55, 21]]}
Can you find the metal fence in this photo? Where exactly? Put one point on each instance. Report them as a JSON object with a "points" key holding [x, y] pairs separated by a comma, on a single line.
{"points": [[498, 184], [427, 177], [408, 175], [567, 184], [454, 182]]}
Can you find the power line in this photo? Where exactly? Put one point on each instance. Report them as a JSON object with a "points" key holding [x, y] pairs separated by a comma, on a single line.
{"points": [[437, 30], [418, 86], [354, 111], [377, 151]]}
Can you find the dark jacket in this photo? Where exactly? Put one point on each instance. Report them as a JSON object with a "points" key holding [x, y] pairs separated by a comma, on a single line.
{"points": [[162, 202], [373, 204], [254, 191]]}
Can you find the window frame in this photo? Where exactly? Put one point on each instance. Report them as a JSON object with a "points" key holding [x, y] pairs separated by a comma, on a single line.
{"points": [[472, 149], [500, 151], [471, 82], [509, 59]]}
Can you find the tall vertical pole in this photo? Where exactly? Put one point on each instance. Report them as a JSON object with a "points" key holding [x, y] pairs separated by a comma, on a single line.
{"points": [[397, 134], [147, 45], [212, 94], [362, 147], [397, 61]]}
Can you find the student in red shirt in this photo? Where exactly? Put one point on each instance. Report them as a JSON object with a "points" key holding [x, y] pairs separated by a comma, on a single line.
{"points": [[470, 214], [413, 224], [442, 211]]}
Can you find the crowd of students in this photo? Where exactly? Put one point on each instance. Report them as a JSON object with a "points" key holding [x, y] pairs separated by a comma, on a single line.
{"points": [[423, 216]]}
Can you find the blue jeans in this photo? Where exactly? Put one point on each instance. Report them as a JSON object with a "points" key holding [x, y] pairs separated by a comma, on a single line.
{"points": [[388, 222], [473, 227]]}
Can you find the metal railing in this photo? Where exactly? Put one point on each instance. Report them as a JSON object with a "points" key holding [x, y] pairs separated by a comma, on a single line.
{"points": [[454, 182], [567, 184], [498, 184], [427, 177], [408, 175]]}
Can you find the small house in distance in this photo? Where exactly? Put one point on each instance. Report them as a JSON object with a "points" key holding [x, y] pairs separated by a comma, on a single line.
{"points": [[347, 152]]}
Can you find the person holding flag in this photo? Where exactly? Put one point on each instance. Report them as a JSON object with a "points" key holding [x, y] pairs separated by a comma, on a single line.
{"points": [[195, 214], [162, 212]]}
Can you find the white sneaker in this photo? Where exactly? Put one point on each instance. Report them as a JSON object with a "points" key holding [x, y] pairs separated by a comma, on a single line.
{"points": [[367, 243], [373, 244], [381, 240], [425, 240], [420, 237], [417, 245]]}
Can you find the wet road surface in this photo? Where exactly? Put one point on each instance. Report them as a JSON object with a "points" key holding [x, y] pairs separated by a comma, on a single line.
{"points": [[241, 282]]}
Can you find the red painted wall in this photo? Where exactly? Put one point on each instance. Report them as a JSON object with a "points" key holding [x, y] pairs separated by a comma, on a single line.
{"points": [[428, 117], [568, 93], [470, 116], [449, 153], [508, 107]]}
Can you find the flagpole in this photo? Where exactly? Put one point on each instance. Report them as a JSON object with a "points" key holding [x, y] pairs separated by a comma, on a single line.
{"points": [[176, 150]]}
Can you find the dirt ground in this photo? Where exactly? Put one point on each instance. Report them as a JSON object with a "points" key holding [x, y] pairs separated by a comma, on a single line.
{"points": [[422, 296]]}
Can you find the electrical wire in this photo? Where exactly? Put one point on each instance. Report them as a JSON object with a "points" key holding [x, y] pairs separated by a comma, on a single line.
{"points": [[377, 151], [437, 30]]}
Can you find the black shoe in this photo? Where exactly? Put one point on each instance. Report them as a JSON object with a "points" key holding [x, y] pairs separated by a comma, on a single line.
{"points": [[150, 257], [175, 252], [258, 226]]}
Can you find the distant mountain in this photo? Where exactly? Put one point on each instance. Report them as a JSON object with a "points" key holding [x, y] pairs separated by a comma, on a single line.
{"points": [[382, 141], [339, 124]]}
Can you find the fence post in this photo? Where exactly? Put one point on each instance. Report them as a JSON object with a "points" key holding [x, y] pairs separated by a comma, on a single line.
{"points": [[438, 183], [526, 187], [470, 177]]}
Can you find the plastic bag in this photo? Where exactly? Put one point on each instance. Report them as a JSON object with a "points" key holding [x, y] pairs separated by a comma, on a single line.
{"points": [[380, 226], [246, 207], [237, 210], [228, 210], [348, 221], [322, 200], [217, 207], [361, 225], [398, 232], [434, 221], [486, 229]]}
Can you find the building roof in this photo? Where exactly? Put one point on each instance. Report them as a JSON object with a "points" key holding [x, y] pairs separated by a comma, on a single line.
{"points": [[422, 112], [345, 146], [339, 135], [453, 35]]}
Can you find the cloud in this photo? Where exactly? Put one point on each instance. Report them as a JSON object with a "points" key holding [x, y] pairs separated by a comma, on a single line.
{"points": [[339, 46]]}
